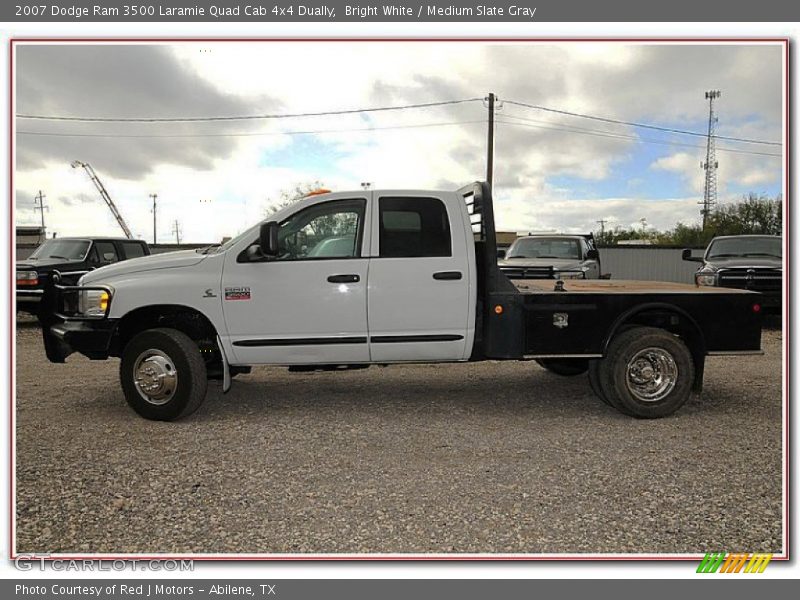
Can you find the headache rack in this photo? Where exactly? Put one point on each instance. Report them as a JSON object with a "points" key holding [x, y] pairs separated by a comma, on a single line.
{"points": [[497, 335]]}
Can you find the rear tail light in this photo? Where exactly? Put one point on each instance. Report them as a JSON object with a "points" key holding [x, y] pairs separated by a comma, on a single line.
{"points": [[27, 278]]}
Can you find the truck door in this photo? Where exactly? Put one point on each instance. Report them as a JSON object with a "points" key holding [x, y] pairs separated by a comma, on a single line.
{"points": [[419, 280], [308, 305]]}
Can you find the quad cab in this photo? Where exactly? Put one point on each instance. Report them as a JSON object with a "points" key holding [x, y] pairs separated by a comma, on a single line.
{"points": [[346, 280]]}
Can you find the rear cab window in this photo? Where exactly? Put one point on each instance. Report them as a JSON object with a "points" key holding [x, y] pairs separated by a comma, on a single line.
{"points": [[413, 227], [106, 252], [133, 249]]}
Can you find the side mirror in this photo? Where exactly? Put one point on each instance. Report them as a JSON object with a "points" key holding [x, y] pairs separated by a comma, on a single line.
{"points": [[268, 238], [592, 254], [501, 253], [687, 255]]}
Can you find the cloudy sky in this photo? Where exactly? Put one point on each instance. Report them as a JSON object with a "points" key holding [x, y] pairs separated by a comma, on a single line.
{"points": [[553, 171]]}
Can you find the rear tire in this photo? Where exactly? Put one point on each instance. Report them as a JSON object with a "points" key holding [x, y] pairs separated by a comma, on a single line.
{"points": [[568, 367], [594, 381], [647, 373], [163, 374]]}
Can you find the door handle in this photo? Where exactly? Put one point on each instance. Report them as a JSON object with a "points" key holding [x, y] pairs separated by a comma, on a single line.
{"points": [[447, 275], [353, 278]]}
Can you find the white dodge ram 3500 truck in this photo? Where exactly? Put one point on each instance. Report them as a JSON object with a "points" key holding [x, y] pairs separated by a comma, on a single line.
{"points": [[375, 277]]}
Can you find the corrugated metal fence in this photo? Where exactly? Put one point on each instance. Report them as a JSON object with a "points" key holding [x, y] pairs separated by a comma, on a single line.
{"points": [[648, 263]]}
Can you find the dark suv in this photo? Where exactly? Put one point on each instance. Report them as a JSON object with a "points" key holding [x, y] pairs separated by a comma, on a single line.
{"points": [[72, 257], [749, 262]]}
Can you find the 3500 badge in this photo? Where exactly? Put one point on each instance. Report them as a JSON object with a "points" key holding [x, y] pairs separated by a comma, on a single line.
{"points": [[237, 293]]}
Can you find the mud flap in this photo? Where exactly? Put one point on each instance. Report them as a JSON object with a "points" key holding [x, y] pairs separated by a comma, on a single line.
{"points": [[226, 368]]}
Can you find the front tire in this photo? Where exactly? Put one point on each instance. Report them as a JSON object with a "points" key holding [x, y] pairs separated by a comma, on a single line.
{"points": [[163, 374], [647, 373]]}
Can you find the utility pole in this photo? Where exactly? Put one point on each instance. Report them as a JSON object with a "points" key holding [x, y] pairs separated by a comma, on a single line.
{"points": [[176, 229], [38, 204], [490, 141], [154, 196], [710, 165], [602, 223]]}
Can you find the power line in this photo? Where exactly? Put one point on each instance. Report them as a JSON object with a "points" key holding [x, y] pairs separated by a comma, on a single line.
{"points": [[622, 136], [642, 125], [356, 111], [244, 117], [247, 134]]}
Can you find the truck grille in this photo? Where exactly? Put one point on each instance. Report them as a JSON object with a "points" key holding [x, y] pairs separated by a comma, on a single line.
{"points": [[528, 272], [758, 280]]}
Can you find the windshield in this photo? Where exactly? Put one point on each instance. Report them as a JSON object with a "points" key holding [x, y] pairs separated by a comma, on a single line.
{"points": [[545, 248], [746, 246], [64, 249]]}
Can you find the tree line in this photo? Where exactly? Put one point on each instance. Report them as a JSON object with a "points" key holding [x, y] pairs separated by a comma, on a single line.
{"points": [[754, 214]]}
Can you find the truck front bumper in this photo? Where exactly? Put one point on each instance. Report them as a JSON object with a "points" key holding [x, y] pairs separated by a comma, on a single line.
{"points": [[90, 338], [64, 331]]}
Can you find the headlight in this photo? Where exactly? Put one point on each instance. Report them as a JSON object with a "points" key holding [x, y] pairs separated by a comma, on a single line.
{"points": [[94, 303], [705, 278], [27, 277], [570, 275]]}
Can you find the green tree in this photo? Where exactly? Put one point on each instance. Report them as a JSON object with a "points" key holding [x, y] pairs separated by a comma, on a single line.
{"points": [[754, 214], [289, 196]]}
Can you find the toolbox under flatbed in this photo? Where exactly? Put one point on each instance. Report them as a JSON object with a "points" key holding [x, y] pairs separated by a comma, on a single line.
{"points": [[577, 318]]}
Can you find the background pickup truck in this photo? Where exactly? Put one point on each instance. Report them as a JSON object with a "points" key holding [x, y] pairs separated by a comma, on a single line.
{"points": [[72, 258], [747, 262], [375, 277], [552, 256]]}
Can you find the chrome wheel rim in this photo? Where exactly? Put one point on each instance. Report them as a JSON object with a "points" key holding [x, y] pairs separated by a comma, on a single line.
{"points": [[651, 374], [155, 377]]}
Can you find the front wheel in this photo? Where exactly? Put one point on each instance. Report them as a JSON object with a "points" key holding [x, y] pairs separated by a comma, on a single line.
{"points": [[647, 373], [163, 374]]}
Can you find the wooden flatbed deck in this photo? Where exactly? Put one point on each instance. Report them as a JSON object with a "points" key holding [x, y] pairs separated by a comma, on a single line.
{"points": [[604, 286]]}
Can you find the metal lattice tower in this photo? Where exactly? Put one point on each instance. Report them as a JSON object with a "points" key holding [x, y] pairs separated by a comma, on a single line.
{"points": [[710, 165]]}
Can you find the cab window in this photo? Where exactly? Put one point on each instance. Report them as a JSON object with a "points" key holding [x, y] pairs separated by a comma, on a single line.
{"points": [[106, 252], [327, 230], [413, 227], [132, 249]]}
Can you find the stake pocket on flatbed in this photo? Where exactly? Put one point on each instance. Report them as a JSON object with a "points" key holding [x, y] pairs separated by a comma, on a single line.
{"points": [[349, 279]]}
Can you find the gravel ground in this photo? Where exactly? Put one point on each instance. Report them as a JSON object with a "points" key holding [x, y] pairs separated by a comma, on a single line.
{"points": [[490, 457]]}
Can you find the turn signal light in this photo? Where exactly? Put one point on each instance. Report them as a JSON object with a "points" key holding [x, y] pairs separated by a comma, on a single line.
{"points": [[498, 310]]}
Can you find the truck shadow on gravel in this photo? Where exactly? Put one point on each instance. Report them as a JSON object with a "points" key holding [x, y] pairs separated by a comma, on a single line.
{"points": [[533, 395]]}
